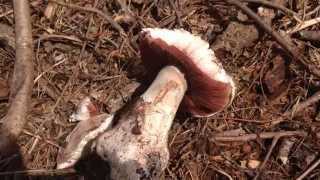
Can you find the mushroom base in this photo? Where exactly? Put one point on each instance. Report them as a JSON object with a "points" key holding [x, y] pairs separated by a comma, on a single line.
{"points": [[136, 147]]}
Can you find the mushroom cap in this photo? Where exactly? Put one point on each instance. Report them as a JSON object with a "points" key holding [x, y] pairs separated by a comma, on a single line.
{"points": [[210, 88]]}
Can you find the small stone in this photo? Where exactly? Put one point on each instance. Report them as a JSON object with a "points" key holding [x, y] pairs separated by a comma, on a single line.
{"points": [[253, 164]]}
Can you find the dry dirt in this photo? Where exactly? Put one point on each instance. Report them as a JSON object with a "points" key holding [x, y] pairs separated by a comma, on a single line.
{"points": [[78, 53]]}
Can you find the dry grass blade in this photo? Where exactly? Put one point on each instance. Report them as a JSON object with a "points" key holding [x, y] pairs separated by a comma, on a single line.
{"points": [[22, 80]]}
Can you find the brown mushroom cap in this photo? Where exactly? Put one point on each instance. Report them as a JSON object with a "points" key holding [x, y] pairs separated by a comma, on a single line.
{"points": [[210, 88]]}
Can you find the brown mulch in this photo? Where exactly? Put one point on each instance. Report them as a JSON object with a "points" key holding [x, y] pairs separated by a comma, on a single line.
{"points": [[79, 53]]}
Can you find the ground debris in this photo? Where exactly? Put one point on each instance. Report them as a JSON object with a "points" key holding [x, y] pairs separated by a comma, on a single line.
{"points": [[236, 37], [79, 54], [275, 77], [285, 148]]}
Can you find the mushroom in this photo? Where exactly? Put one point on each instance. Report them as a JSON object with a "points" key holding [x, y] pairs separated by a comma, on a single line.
{"points": [[91, 124], [190, 75]]}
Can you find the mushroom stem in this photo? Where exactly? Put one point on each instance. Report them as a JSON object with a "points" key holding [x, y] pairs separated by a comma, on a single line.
{"points": [[136, 147], [164, 97]]}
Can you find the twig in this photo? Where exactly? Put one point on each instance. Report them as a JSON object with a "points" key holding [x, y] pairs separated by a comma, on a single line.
{"points": [[223, 173], [304, 25], [275, 6], [274, 143], [41, 172], [298, 108], [22, 79], [311, 100], [282, 42], [6, 13], [312, 167], [96, 11], [313, 11], [263, 135], [39, 137]]}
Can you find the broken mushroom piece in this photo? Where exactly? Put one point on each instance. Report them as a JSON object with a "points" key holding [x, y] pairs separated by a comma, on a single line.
{"points": [[90, 126], [136, 147]]}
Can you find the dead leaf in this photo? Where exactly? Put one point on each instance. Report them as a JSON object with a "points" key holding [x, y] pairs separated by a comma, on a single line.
{"points": [[276, 75]]}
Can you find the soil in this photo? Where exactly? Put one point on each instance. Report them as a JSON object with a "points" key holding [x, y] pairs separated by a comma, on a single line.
{"points": [[79, 53]]}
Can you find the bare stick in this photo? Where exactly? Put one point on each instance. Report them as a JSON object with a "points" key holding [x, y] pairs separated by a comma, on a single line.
{"points": [[93, 10], [312, 167], [263, 135], [282, 42], [22, 79]]}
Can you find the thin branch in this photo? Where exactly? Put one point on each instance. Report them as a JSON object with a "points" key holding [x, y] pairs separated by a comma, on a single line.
{"points": [[263, 135], [312, 167], [39, 137], [41, 172], [311, 100], [56, 36], [274, 143], [298, 108], [22, 79], [6, 13], [292, 50], [93, 10], [304, 25], [275, 6]]}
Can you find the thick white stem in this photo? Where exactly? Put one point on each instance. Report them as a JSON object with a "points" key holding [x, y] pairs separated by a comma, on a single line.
{"points": [[163, 98], [136, 147]]}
